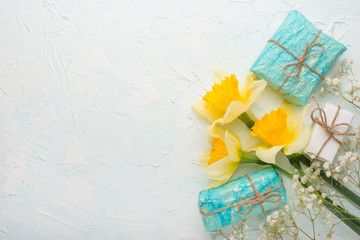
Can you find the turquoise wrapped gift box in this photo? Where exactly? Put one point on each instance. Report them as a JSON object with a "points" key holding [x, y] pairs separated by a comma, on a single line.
{"points": [[242, 198], [296, 58]]}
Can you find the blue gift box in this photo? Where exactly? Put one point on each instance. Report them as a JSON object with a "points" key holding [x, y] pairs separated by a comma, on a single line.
{"points": [[238, 199], [294, 34]]}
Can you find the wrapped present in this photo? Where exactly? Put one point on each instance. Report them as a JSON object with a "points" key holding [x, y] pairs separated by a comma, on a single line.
{"points": [[296, 58], [242, 198], [332, 124]]}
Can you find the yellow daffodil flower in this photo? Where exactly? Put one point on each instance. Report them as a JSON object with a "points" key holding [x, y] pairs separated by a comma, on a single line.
{"points": [[281, 129], [221, 160], [228, 99]]}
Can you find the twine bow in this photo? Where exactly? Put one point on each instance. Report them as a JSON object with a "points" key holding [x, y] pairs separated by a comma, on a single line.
{"points": [[330, 129], [300, 59], [259, 198]]}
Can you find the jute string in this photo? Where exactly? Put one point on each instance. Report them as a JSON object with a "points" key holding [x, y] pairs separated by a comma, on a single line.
{"points": [[300, 59], [259, 198], [330, 129]]}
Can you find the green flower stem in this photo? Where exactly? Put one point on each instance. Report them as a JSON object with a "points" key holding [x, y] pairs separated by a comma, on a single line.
{"points": [[247, 120], [250, 158], [295, 159], [350, 220], [348, 194]]}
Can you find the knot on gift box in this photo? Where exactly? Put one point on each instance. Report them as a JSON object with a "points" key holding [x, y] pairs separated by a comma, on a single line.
{"points": [[300, 59], [332, 129], [268, 196]]}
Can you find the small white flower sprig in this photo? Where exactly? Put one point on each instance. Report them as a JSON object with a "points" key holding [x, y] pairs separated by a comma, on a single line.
{"points": [[238, 232], [350, 91], [305, 204], [314, 186], [346, 170]]}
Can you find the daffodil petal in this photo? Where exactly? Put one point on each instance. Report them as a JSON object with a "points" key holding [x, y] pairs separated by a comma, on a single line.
{"points": [[215, 131], [295, 121], [205, 157], [255, 91], [220, 75], [217, 183], [222, 169], [249, 81], [233, 145], [300, 143], [234, 110], [210, 114], [267, 153], [255, 146], [290, 110]]}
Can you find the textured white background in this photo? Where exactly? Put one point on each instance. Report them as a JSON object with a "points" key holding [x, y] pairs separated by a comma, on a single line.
{"points": [[97, 136]]}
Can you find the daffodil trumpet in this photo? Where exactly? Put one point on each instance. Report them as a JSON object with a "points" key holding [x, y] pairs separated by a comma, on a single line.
{"points": [[224, 156], [280, 130], [228, 99], [283, 130]]}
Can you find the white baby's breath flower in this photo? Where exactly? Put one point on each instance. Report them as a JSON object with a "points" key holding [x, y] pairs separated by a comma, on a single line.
{"points": [[275, 214], [286, 207], [335, 203], [309, 206], [326, 165], [313, 197], [296, 214], [311, 189], [320, 202], [357, 86], [328, 80], [304, 179], [338, 169], [351, 78], [322, 91], [336, 81], [328, 174], [273, 223], [281, 230], [246, 227], [345, 180], [323, 195], [337, 94], [295, 177], [268, 218], [332, 193], [316, 164]]}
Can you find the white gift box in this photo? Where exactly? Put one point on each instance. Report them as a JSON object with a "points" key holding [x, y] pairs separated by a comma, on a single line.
{"points": [[320, 135]]}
